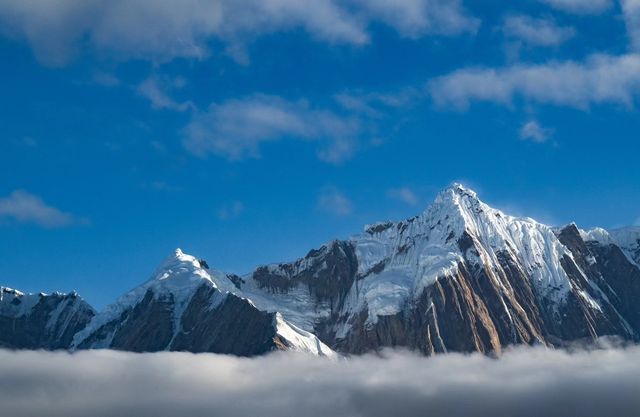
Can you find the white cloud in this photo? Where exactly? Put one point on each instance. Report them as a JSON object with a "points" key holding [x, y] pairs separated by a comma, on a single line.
{"points": [[155, 90], [374, 104], [231, 211], [236, 129], [416, 17], [404, 194], [24, 207], [534, 132], [524, 382], [536, 32], [335, 202], [599, 79], [581, 7], [164, 29], [631, 10]]}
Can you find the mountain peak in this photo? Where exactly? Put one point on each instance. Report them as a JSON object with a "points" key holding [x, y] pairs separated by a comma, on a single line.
{"points": [[181, 267], [457, 193], [461, 189], [456, 201]]}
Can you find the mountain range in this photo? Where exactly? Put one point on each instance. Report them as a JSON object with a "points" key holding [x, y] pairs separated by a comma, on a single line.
{"points": [[460, 277]]}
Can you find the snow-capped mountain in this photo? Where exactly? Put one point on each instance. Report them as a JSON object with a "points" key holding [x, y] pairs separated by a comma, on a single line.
{"points": [[185, 307], [461, 276], [41, 321]]}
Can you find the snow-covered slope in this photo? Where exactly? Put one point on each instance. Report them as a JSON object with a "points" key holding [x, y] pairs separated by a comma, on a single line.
{"points": [[290, 337], [418, 251]]}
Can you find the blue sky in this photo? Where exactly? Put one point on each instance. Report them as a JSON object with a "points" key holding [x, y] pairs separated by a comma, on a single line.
{"points": [[250, 131]]}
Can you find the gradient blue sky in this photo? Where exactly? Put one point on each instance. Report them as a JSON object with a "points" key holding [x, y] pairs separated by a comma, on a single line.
{"points": [[248, 132]]}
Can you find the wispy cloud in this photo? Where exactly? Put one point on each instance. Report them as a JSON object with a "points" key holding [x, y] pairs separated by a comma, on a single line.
{"points": [[163, 30], [599, 79], [333, 201], [533, 131], [105, 79], [403, 194], [631, 11], [524, 382], [580, 7], [236, 129], [24, 207], [376, 104], [156, 89], [535, 31], [231, 210], [414, 18]]}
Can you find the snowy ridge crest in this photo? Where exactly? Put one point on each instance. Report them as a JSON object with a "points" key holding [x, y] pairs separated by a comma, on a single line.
{"points": [[177, 279]]}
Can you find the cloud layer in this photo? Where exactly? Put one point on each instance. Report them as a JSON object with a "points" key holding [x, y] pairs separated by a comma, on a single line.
{"points": [[237, 128], [333, 201], [166, 29], [525, 382], [580, 6], [631, 11], [599, 79], [536, 32]]}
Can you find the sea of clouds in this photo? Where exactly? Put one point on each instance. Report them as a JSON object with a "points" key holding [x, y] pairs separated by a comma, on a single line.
{"points": [[522, 382]]}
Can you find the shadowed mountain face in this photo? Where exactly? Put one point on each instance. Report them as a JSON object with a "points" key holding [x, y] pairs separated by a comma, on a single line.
{"points": [[39, 321], [461, 277]]}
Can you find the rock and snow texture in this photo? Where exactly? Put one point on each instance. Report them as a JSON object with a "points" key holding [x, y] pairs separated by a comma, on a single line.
{"points": [[628, 239], [185, 307], [174, 282], [461, 276], [40, 321]]}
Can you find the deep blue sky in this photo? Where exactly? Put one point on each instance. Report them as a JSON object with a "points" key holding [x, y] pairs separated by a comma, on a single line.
{"points": [[250, 133]]}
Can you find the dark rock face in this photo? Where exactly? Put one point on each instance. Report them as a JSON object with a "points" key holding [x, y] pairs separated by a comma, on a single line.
{"points": [[211, 322], [621, 282], [50, 323], [233, 326], [328, 272], [447, 317], [148, 327]]}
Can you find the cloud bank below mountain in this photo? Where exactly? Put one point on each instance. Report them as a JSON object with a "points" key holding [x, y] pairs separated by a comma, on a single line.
{"points": [[523, 382]]}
